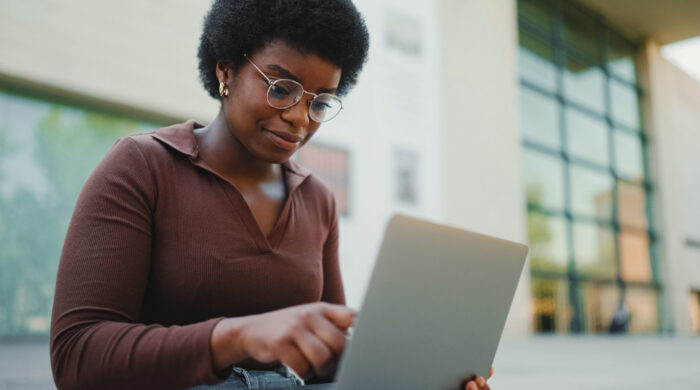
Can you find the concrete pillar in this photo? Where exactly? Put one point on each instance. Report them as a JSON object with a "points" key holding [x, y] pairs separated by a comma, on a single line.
{"points": [[482, 188], [665, 119]]}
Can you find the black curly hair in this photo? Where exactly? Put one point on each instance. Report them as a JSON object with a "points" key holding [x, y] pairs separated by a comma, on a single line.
{"points": [[331, 29]]}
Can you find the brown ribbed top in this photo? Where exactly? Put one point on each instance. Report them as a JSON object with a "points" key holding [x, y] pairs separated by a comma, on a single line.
{"points": [[160, 248]]}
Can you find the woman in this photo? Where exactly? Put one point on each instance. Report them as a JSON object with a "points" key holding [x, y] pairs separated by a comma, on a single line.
{"points": [[198, 255]]}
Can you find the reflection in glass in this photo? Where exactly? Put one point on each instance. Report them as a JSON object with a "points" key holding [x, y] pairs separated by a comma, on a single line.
{"points": [[591, 193], [584, 84], [536, 62], [628, 156], [47, 151], [599, 304], [625, 104], [537, 12], [642, 305], [621, 55], [551, 307], [635, 265], [544, 184], [538, 118], [631, 205], [594, 250], [547, 240], [587, 137], [580, 32]]}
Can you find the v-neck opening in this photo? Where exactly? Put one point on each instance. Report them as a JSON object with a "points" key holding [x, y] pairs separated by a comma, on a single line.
{"points": [[271, 241], [181, 138]]}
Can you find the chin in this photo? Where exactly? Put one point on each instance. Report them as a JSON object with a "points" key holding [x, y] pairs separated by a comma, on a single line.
{"points": [[278, 158]]}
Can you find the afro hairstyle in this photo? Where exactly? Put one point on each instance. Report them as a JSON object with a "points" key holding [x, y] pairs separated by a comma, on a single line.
{"points": [[332, 29]]}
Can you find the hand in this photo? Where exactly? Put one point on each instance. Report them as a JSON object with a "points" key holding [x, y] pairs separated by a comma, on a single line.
{"points": [[478, 383], [308, 338]]}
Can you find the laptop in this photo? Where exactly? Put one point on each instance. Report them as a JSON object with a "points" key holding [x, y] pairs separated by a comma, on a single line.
{"points": [[434, 310]]}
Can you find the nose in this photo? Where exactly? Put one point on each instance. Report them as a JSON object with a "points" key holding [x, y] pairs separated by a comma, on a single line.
{"points": [[298, 114]]}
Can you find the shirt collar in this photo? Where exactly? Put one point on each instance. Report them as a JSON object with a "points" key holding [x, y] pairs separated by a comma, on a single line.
{"points": [[180, 137]]}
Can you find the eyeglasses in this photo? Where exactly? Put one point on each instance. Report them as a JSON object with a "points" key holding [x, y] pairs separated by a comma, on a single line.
{"points": [[284, 93]]}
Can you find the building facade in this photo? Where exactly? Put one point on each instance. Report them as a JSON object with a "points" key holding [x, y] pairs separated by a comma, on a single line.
{"points": [[552, 122]]}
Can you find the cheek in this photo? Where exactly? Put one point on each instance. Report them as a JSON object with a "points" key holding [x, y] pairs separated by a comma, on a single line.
{"points": [[313, 127]]}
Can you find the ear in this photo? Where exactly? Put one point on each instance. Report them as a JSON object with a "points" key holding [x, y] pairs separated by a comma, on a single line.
{"points": [[224, 71]]}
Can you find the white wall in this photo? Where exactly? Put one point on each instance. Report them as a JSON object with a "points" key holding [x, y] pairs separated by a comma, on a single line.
{"points": [[673, 111], [394, 107], [142, 53]]}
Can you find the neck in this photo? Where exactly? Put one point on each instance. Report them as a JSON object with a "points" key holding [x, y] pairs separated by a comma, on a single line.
{"points": [[224, 153]]}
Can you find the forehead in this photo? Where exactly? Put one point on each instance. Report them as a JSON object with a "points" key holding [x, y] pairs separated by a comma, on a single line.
{"points": [[310, 69]]}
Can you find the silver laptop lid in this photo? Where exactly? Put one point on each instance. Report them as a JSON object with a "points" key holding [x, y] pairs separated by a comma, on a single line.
{"points": [[434, 309]]}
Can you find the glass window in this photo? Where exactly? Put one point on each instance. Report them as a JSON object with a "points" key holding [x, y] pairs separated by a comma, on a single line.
{"points": [[47, 151], [584, 171], [552, 310], [544, 182], [634, 256], [628, 156], [694, 304], [538, 13], [643, 308], [591, 193], [584, 85], [580, 33], [536, 62], [547, 238], [625, 104], [631, 205], [539, 118], [594, 250], [600, 302], [621, 57], [587, 137]]}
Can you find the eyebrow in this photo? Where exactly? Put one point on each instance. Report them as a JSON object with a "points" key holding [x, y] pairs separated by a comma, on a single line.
{"points": [[289, 75]]}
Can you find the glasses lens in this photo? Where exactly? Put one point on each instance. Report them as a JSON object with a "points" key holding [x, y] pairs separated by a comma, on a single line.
{"points": [[284, 93], [324, 107]]}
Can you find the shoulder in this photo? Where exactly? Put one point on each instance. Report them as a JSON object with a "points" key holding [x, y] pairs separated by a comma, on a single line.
{"points": [[178, 137], [154, 148]]}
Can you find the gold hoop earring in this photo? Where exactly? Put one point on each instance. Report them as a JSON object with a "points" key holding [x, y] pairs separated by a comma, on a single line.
{"points": [[223, 89]]}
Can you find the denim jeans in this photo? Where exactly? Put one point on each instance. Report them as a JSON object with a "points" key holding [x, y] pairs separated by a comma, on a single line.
{"points": [[241, 379]]}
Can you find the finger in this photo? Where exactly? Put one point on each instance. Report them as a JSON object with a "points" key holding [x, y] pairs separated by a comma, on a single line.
{"points": [[491, 372], [471, 385], [315, 351], [328, 333], [480, 381], [340, 316], [290, 355]]}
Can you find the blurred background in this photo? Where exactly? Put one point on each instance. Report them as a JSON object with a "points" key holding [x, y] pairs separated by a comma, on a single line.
{"points": [[573, 126]]}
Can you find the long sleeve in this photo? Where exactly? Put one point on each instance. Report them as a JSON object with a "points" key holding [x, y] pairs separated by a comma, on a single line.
{"points": [[332, 281], [96, 338]]}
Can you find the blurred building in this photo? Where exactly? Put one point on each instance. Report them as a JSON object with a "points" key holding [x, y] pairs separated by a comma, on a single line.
{"points": [[548, 121]]}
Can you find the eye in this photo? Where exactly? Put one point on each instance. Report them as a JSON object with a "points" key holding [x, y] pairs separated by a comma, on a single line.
{"points": [[278, 91], [317, 105]]}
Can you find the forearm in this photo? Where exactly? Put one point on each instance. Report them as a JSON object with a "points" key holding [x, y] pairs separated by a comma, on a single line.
{"points": [[109, 354]]}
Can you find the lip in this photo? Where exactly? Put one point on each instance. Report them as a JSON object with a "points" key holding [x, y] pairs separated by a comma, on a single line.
{"points": [[283, 140]]}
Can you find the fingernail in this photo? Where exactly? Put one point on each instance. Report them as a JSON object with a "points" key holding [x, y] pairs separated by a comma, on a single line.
{"points": [[481, 381]]}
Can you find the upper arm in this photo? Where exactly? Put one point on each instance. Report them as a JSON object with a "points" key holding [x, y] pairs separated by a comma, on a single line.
{"points": [[105, 258]]}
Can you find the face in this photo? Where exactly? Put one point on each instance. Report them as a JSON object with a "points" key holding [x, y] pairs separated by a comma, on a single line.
{"points": [[267, 133]]}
